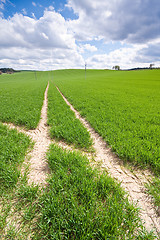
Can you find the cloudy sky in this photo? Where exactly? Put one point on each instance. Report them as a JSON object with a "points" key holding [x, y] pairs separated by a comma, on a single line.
{"points": [[60, 34]]}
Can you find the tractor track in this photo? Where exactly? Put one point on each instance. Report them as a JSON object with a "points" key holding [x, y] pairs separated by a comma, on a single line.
{"points": [[38, 167], [132, 183]]}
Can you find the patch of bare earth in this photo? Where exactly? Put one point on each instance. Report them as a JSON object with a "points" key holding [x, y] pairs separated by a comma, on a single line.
{"points": [[133, 183]]}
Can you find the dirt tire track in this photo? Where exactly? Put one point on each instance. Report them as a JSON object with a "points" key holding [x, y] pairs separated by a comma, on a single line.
{"points": [[38, 166], [38, 169], [132, 183]]}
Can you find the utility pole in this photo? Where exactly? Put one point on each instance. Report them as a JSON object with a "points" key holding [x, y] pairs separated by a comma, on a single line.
{"points": [[35, 75], [85, 69], [52, 77]]}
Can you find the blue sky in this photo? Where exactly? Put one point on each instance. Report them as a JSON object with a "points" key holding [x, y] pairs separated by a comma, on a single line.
{"points": [[47, 34], [36, 7]]}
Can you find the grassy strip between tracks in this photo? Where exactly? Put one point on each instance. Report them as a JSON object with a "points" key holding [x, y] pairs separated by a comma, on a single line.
{"points": [[64, 125], [81, 203]]}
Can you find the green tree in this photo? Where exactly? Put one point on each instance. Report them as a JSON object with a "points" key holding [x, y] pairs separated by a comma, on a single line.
{"points": [[116, 67]]}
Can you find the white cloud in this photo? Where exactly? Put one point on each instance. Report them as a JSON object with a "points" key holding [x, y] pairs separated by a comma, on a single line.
{"points": [[87, 47], [1, 6], [41, 59], [23, 31], [2, 3], [51, 8], [118, 20], [45, 36], [44, 43], [149, 54], [33, 15], [52, 42], [34, 4], [24, 11], [126, 58]]}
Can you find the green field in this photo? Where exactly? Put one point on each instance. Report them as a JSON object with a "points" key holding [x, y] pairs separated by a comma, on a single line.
{"points": [[64, 124], [13, 147], [122, 106], [21, 98], [79, 202]]}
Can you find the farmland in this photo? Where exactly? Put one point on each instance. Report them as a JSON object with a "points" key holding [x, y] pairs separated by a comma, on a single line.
{"points": [[79, 202], [13, 147], [21, 98], [123, 107], [64, 125]]}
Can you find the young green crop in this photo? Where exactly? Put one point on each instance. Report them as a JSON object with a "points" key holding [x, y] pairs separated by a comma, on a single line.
{"points": [[122, 106], [81, 203], [21, 97], [19, 210], [13, 147], [63, 122], [154, 190]]}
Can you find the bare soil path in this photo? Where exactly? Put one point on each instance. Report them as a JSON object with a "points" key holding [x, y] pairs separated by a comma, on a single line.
{"points": [[38, 167], [133, 183]]}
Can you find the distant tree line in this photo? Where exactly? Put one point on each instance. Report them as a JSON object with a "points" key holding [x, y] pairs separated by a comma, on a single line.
{"points": [[7, 70], [145, 68], [151, 66]]}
